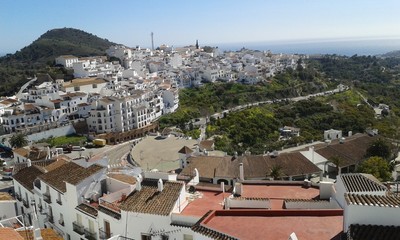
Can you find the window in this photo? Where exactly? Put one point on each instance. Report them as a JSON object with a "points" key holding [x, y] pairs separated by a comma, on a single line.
{"points": [[77, 88], [94, 86]]}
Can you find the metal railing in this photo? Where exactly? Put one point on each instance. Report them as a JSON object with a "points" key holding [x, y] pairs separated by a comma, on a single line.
{"points": [[47, 197], [51, 219], [26, 203], [90, 235], [61, 222], [59, 201], [104, 235], [18, 197], [78, 228]]}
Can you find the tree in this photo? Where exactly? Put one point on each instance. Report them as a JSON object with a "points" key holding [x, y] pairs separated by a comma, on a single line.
{"points": [[276, 172], [18, 140], [376, 166], [379, 148], [337, 161]]}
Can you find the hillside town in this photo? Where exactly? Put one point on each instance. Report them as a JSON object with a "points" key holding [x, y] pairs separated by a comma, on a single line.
{"points": [[115, 100]]}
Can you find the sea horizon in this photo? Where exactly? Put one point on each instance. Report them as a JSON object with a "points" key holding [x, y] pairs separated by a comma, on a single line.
{"points": [[346, 47]]}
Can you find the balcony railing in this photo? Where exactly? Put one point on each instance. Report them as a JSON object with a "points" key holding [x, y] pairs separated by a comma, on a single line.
{"points": [[26, 203], [47, 197], [59, 201], [51, 219], [40, 208], [18, 197], [78, 228], [90, 235], [104, 235]]}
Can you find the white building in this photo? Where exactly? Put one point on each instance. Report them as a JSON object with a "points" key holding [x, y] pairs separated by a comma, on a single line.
{"points": [[88, 85], [66, 60]]}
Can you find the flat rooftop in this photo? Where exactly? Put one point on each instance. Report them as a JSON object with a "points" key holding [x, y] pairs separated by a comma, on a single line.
{"points": [[203, 201], [277, 224], [278, 193]]}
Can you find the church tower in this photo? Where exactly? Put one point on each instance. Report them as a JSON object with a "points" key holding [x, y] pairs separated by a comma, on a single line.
{"points": [[197, 44]]}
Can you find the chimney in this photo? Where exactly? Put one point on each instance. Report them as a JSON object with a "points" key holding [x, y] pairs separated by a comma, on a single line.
{"points": [[241, 172], [160, 185], [138, 184], [350, 133]]}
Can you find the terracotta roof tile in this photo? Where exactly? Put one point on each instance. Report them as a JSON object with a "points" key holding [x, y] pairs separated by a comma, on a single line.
{"points": [[47, 234], [69, 172], [5, 196], [149, 200], [21, 151], [372, 200], [255, 166], [9, 233], [356, 182], [207, 145], [123, 178], [362, 232], [352, 151], [185, 150], [310, 204], [27, 175]]}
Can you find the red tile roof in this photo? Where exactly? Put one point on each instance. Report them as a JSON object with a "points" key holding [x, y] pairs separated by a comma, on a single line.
{"points": [[9, 233], [149, 200], [356, 182], [352, 151], [27, 175], [69, 172], [362, 232]]}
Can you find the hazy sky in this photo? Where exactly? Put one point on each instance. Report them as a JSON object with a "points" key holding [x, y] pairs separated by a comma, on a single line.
{"points": [[181, 22]]}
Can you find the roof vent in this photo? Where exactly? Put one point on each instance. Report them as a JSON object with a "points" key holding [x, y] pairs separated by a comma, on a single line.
{"points": [[160, 185]]}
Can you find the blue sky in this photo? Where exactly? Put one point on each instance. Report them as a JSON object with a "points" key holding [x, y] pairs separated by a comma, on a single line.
{"points": [[181, 22]]}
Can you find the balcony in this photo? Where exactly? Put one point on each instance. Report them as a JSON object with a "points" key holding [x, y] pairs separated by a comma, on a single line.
{"points": [[104, 235], [49, 219], [18, 197], [78, 228], [59, 201], [90, 235], [26, 203], [40, 208], [47, 197]]}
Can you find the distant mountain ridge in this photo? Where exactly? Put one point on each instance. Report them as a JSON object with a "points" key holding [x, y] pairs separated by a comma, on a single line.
{"points": [[61, 41], [395, 54]]}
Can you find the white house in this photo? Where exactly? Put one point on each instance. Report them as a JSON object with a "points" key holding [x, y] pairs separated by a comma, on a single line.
{"points": [[66, 60], [88, 85]]}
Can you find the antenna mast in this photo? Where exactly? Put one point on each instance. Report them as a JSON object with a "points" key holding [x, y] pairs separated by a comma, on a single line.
{"points": [[152, 41]]}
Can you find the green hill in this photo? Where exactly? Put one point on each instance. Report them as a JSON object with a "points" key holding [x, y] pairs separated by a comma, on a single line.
{"points": [[39, 56], [58, 42]]}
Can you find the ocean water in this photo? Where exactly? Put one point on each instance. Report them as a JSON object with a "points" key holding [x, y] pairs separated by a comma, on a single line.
{"points": [[339, 47]]}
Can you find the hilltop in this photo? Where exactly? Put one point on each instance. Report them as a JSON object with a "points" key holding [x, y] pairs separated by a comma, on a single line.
{"points": [[393, 54], [38, 57], [58, 42]]}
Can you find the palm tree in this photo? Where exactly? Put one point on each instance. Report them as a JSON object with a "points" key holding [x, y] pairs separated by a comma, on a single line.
{"points": [[337, 161], [18, 140], [276, 172]]}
